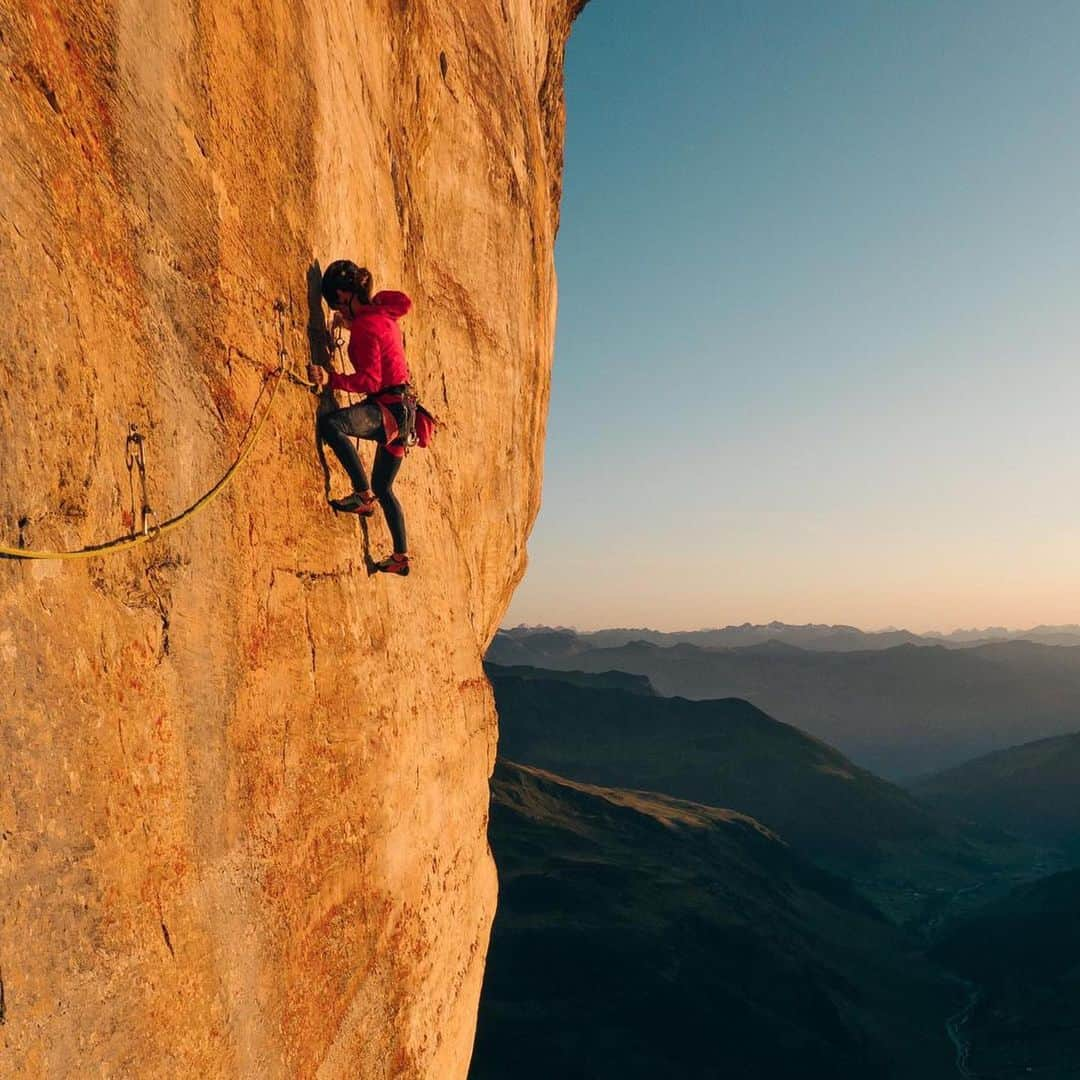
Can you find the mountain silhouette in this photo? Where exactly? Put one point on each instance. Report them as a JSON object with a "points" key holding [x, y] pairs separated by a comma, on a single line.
{"points": [[901, 712], [814, 636], [641, 936], [1029, 789], [729, 753]]}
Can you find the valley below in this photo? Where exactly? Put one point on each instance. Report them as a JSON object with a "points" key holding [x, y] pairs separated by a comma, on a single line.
{"points": [[695, 888]]}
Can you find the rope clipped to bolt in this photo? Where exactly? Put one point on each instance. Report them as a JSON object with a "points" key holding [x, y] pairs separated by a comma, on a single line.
{"points": [[135, 456]]}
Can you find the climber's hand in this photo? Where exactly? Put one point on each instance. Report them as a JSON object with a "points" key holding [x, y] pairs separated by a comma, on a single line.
{"points": [[338, 322], [318, 375]]}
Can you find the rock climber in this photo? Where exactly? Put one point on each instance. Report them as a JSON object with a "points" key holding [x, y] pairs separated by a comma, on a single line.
{"points": [[388, 415]]}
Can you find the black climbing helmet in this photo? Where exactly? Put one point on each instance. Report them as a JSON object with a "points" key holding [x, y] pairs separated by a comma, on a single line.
{"points": [[345, 276]]}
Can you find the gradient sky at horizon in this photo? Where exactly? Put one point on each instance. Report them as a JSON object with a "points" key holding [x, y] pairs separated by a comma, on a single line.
{"points": [[816, 351]]}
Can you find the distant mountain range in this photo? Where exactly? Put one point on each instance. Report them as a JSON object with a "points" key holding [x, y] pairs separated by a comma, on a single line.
{"points": [[813, 636], [642, 936], [728, 753], [900, 711], [1032, 789]]}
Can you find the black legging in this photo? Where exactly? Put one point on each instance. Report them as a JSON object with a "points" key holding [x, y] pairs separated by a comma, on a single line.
{"points": [[364, 421]]}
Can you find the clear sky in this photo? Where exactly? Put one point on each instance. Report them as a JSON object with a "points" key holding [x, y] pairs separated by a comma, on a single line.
{"points": [[819, 285]]}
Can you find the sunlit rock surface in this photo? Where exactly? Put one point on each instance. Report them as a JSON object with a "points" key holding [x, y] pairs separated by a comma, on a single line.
{"points": [[244, 794]]}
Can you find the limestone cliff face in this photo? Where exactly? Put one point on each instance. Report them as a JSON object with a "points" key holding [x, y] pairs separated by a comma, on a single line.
{"points": [[243, 784]]}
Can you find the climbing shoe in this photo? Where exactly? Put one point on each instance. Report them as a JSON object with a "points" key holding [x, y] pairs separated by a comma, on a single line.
{"points": [[395, 564], [354, 504]]}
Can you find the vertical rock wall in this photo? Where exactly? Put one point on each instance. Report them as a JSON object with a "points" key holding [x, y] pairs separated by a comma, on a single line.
{"points": [[243, 784]]}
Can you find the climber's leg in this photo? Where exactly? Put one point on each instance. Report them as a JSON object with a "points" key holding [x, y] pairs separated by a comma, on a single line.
{"points": [[382, 483], [363, 421]]}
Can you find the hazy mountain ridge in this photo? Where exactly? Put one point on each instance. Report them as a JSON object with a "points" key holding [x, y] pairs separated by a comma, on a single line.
{"points": [[901, 711], [729, 753], [1030, 789], [639, 935], [813, 636]]}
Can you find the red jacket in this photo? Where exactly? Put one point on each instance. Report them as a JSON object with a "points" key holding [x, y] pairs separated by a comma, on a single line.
{"points": [[375, 347]]}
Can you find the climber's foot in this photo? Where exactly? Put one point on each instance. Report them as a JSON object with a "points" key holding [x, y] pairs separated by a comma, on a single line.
{"points": [[355, 504], [395, 564]]}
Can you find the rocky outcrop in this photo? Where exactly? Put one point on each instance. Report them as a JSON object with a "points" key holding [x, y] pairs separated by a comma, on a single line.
{"points": [[244, 784]]}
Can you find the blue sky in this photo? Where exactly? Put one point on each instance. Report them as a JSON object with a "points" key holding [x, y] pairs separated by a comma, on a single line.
{"points": [[817, 344]]}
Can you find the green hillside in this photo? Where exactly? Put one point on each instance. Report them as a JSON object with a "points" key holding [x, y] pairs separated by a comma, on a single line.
{"points": [[728, 753], [1030, 789], [641, 936]]}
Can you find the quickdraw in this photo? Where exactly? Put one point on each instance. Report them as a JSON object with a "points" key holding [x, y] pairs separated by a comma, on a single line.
{"points": [[135, 455]]}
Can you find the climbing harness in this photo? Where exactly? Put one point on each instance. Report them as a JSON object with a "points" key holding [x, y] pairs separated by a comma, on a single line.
{"points": [[398, 432], [417, 424], [410, 402], [135, 455]]}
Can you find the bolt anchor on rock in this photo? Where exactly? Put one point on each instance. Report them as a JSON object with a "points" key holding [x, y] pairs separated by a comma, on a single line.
{"points": [[135, 457]]}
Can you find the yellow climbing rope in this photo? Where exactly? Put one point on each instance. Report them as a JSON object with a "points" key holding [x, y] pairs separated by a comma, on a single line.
{"points": [[153, 531]]}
